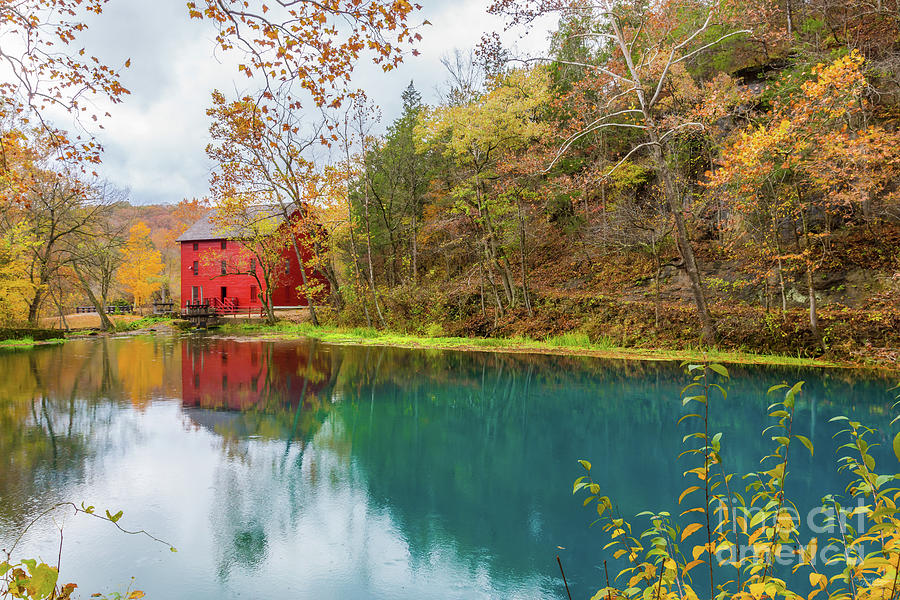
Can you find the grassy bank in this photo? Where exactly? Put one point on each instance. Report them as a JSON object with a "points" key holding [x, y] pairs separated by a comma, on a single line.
{"points": [[28, 342], [149, 322], [567, 343]]}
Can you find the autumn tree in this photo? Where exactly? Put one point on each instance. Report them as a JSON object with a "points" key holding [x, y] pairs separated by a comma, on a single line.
{"points": [[16, 287], [95, 252], [56, 212], [142, 267], [48, 71], [476, 135], [260, 153], [305, 46], [814, 153]]}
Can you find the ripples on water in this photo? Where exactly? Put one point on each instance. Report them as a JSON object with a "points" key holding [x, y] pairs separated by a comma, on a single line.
{"points": [[298, 469]]}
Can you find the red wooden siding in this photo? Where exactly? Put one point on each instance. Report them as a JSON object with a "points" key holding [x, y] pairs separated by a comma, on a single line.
{"points": [[209, 282]]}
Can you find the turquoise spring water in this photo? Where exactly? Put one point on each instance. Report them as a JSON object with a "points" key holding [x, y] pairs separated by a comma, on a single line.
{"points": [[295, 469]]}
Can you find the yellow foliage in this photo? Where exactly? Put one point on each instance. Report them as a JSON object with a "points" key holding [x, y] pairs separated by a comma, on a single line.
{"points": [[15, 283], [141, 271], [505, 117]]}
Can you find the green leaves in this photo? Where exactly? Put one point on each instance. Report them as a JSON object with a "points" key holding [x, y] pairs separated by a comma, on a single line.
{"points": [[760, 516], [37, 583], [579, 483], [114, 517], [721, 370], [31, 579], [43, 581], [805, 441]]}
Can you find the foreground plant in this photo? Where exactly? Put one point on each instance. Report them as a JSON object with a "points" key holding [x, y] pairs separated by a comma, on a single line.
{"points": [[746, 534], [33, 579]]}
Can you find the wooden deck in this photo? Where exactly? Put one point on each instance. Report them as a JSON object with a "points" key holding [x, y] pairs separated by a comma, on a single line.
{"points": [[202, 315]]}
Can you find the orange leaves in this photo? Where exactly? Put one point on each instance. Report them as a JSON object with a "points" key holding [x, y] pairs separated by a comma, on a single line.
{"points": [[689, 530], [807, 138], [841, 80], [46, 75], [304, 44]]}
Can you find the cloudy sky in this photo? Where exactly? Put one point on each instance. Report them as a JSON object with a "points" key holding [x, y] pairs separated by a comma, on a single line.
{"points": [[154, 142]]}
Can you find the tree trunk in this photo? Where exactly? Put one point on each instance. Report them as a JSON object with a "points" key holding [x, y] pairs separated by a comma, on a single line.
{"points": [[369, 253], [782, 290], [492, 254], [813, 308], [105, 323], [327, 270], [777, 237], [270, 310], [34, 306], [490, 265], [413, 236], [522, 248], [656, 295], [309, 302], [63, 324], [789, 9], [481, 276], [357, 275], [683, 241], [664, 173]]}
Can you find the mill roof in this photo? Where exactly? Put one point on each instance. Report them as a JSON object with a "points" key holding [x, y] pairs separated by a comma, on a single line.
{"points": [[207, 227]]}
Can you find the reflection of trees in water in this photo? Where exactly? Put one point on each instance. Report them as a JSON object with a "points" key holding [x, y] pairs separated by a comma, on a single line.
{"points": [[141, 370], [266, 488], [283, 390], [55, 415], [483, 446], [239, 517]]}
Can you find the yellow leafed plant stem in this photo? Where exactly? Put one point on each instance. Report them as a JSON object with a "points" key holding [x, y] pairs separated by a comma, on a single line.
{"points": [[726, 537]]}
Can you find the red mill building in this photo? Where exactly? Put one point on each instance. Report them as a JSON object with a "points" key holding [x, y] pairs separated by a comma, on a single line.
{"points": [[208, 259]]}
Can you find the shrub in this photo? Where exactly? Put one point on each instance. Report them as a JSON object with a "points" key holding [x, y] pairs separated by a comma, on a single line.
{"points": [[743, 535], [434, 330]]}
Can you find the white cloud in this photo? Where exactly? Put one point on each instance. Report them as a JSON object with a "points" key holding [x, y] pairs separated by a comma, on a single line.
{"points": [[155, 141]]}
